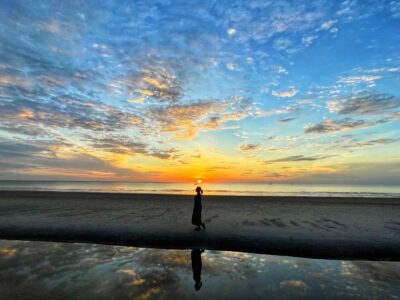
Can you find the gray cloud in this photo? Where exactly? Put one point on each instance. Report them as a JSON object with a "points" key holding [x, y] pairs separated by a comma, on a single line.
{"points": [[63, 112], [32, 130], [249, 147], [385, 173], [34, 160], [366, 104], [295, 158], [124, 145], [286, 120], [15, 150], [340, 125], [373, 142]]}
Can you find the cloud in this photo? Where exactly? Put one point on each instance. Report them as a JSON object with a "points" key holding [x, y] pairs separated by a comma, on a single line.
{"points": [[187, 120], [232, 67], [296, 158], [63, 112], [395, 116], [137, 100], [346, 124], [157, 80], [249, 147], [366, 104], [50, 160], [366, 172], [328, 24], [281, 70], [286, 120], [124, 145], [308, 40], [277, 20], [183, 117], [285, 94], [33, 130], [231, 31], [272, 112], [373, 142], [282, 44], [357, 79], [14, 150]]}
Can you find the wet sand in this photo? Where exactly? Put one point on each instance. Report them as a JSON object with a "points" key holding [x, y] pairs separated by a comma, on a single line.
{"points": [[333, 228]]}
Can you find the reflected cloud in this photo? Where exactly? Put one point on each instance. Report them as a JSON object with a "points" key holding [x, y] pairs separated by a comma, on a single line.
{"points": [[7, 251], [40, 269], [298, 284], [148, 294]]}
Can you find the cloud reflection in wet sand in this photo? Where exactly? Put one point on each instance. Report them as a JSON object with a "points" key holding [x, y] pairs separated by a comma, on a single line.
{"points": [[38, 270]]}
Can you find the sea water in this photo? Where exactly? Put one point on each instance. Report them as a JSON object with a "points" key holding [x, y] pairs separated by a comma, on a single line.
{"points": [[240, 189]]}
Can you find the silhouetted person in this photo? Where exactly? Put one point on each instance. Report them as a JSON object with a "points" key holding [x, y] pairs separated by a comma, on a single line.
{"points": [[196, 217], [196, 267]]}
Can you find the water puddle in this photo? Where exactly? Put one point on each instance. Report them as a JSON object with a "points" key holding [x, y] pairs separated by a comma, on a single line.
{"points": [[47, 270]]}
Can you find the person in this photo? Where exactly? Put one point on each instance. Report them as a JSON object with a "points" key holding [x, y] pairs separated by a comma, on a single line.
{"points": [[196, 216], [196, 268]]}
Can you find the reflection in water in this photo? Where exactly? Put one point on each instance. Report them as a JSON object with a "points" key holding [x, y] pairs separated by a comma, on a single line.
{"points": [[39, 270], [196, 267]]}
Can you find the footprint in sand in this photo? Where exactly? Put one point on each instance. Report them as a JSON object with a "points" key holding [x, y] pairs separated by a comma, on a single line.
{"points": [[393, 226], [208, 220], [273, 222], [248, 223]]}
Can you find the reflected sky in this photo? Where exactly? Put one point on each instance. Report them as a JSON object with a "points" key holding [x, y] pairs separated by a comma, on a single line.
{"points": [[41, 270]]}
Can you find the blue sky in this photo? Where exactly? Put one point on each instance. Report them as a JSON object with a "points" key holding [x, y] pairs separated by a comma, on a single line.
{"points": [[265, 91]]}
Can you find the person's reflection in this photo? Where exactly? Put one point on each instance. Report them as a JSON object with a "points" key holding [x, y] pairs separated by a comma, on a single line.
{"points": [[196, 267]]}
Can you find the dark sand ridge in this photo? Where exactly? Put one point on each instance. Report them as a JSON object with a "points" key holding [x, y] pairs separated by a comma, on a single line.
{"points": [[336, 228]]}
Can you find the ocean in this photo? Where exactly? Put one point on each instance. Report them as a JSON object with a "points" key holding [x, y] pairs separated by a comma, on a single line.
{"points": [[231, 189]]}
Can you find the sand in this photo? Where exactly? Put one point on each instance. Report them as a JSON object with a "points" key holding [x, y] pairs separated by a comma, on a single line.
{"points": [[332, 228]]}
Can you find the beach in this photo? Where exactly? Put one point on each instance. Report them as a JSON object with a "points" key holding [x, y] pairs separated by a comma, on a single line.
{"points": [[315, 227]]}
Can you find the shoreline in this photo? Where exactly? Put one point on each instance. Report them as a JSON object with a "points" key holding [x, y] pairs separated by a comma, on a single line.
{"points": [[315, 227], [214, 189], [101, 194]]}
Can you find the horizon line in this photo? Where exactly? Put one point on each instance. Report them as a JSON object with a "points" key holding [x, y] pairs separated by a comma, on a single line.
{"points": [[187, 182]]}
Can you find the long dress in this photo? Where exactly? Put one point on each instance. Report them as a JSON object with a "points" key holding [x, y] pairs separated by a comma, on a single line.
{"points": [[196, 216]]}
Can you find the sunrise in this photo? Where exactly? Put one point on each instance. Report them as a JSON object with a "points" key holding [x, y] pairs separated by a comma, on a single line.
{"points": [[281, 119]]}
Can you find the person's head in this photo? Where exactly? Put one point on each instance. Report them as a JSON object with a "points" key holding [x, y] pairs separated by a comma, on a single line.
{"points": [[199, 190], [198, 285]]}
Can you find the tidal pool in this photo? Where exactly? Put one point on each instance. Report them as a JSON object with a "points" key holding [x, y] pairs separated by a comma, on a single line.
{"points": [[47, 270]]}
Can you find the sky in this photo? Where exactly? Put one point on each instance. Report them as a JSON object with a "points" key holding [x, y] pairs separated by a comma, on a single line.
{"points": [[223, 91]]}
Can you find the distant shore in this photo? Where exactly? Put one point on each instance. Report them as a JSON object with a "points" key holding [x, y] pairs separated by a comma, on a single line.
{"points": [[333, 228]]}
